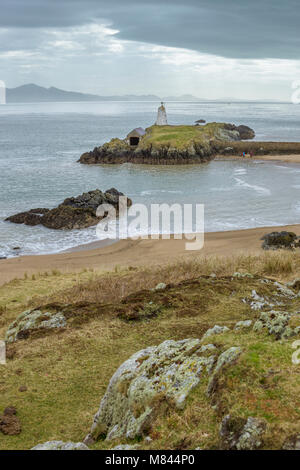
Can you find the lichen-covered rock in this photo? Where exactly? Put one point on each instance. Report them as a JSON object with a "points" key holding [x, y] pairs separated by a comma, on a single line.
{"points": [[276, 323], [60, 445], [147, 383], [227, 358], [243, 275], [284, 291], [216, 330], [258, 302], [292, 443], [160, 286], [33, 320], [241, 434], [243, 324]]}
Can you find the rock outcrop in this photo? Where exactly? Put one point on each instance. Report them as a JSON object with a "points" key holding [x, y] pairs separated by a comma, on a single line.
{"points": [[280, 240], [73, 213], [147, 383], [33, 320], [241, 434], [243, 132], [170, 145], [276, 323], [216, 330]]}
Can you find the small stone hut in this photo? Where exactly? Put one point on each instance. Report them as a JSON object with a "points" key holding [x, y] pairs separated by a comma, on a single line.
{"points": [[135, 136]]}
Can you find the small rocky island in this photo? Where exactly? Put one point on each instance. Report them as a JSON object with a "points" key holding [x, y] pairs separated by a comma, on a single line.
{"points": [[73, 213], [165, 144]]}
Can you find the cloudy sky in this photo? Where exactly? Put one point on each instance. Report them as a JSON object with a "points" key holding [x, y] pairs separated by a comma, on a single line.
{"points": [[209, 48]]}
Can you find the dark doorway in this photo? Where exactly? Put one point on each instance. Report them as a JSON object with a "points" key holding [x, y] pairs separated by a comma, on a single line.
{"points": [[134, 140]]}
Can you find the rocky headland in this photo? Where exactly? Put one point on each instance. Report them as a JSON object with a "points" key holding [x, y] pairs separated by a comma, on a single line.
{"points": [[170, 145], [73, 213]]}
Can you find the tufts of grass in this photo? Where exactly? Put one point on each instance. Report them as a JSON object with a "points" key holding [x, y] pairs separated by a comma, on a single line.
{"points": [[67, 373]]}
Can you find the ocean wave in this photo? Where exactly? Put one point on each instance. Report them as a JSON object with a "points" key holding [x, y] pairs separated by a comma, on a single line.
{"points": [[259, 189], [150, 192]]}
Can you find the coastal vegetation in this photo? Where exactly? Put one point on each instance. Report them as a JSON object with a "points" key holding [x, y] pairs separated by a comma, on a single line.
{"points": [[56, 379], [169, 145]]}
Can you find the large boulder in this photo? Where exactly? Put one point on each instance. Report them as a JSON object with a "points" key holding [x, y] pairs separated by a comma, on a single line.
{"points": [[73, 213], [146, 384], [246, 133], [242, 132], [279, 240], [33, 320]]}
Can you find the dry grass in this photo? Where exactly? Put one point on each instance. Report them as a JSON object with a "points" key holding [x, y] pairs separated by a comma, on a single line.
{"points": [[112, 287], [67, 373]]}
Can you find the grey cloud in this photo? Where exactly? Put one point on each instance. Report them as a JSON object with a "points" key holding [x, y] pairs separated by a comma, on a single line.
{"points": [[229, 28]]}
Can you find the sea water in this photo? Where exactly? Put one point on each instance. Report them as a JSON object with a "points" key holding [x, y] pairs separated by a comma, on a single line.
{"points": [[40, 144]]}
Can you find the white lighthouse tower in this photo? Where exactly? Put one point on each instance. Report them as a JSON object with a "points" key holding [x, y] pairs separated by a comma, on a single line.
{"points": [[161, 116]]}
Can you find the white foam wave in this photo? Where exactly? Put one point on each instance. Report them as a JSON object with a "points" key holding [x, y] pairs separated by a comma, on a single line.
{"points": [[259, 189]]}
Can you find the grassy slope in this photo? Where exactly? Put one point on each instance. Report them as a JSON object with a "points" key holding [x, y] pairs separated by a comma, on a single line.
{"points": [[179, 136], [67, 373]]}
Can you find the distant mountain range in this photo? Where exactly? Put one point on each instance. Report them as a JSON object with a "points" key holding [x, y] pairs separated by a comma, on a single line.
{"points": [[32, 93]]}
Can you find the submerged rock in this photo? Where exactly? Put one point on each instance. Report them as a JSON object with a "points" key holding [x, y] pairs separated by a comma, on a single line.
{"points": [[33, 320], [242, 434], [145, 385], [73, 213], [60, 445]]}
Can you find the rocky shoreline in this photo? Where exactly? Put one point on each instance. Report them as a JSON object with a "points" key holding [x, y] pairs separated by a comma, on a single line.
{"points": [[73, 213]]}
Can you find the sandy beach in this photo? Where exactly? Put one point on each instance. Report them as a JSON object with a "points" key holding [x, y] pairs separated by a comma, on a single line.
{"points": [[137, 253]]}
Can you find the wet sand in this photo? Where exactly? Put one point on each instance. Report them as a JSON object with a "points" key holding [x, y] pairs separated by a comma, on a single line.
{"points": [[148, 252]]}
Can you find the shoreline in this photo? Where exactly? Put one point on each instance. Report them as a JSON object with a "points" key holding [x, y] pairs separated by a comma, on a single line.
{"points": [[137, 253], [289, 158]]}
